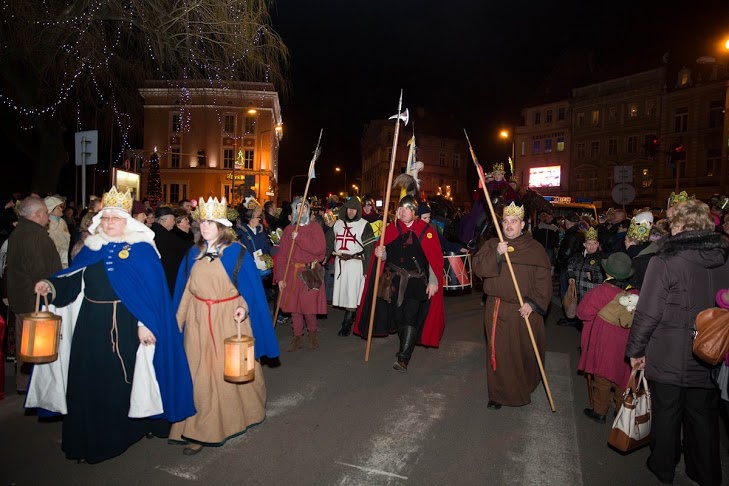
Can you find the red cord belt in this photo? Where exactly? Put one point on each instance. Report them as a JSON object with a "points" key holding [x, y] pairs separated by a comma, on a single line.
{"points": [[210, 303]]}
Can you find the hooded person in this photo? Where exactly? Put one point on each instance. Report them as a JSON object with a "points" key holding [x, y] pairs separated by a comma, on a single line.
{"points": [[57, 227], [353, 246], [300, 296], [410, 293], [122, 356]]}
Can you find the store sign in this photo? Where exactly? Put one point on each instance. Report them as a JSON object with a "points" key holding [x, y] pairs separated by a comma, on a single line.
{"points": [[545, 176]]}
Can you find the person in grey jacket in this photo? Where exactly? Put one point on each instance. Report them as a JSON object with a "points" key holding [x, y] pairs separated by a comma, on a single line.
{"points": [[681, 280], [32, 256]]}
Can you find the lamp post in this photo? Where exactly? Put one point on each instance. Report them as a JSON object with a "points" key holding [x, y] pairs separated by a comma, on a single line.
{"points": [[339, 169]]}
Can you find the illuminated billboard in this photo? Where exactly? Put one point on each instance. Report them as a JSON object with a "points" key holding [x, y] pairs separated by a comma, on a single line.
{"points": [[544, 176]]}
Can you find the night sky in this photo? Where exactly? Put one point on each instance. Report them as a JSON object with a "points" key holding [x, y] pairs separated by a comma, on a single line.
{"points": [[475, 61]]}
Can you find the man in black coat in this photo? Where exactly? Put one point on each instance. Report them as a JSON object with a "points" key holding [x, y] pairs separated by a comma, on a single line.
{"points": [[171, 248], [572, 244]]}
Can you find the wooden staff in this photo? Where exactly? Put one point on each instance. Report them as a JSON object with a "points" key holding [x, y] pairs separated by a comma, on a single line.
{"points": [[511, 271], [317, 151], [399, 116]]}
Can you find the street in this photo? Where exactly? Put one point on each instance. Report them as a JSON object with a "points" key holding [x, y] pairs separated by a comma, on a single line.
{"points": [[334, 419]]}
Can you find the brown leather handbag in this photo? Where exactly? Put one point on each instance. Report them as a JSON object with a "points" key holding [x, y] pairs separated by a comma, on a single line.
{"points": [[711, 340]]}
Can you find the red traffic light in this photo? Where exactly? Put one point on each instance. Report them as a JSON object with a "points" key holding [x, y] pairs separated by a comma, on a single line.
{"points": [[656, 142], [679, 148]]}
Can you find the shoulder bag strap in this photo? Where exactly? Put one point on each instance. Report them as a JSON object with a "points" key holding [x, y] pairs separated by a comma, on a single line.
{"points": [[238, 263]]}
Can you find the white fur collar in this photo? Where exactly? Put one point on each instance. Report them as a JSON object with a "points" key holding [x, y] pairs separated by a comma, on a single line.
{"points": [[99, 239]]}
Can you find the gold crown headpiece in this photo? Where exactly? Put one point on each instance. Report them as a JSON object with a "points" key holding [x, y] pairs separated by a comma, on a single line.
{"points": [[251, 203], [674, 198], [591, 234], [514, 210], [498, 167], [117, 200], [212, 209], [639, 232]]}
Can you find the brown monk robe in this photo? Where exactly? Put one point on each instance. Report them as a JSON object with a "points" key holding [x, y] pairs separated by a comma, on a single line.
{"points": [[513, 370]]}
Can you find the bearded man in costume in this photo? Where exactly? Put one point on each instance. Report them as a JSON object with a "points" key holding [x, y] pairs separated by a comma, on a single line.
{"points": [[353, 245], [413, 256], [513, 371]]}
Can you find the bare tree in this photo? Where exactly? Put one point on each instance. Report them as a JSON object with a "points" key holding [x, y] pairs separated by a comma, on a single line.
{"points": [[78, 65]]}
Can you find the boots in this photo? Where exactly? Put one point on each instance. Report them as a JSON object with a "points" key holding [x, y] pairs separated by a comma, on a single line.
{"points": [[313, 340], [346, 329], [297, 343], [408, 336]]}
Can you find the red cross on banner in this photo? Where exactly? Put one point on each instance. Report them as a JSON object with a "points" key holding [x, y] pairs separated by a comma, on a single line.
{"points": [[345, 238]]}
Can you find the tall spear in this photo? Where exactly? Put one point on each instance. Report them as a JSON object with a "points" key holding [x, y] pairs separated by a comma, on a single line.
{"points": [[511, 269], [317, 151], [404, 117]]}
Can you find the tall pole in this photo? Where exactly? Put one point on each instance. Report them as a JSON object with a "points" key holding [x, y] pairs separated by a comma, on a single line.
{"points": [[479, 171], [398, 117]]}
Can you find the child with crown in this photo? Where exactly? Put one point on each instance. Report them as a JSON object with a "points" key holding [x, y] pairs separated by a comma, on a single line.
{"points": [[513, 372], [122, 358]]}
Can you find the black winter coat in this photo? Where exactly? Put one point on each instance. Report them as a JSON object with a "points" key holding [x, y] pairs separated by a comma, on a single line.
{"points": [[571, 245], [682, 279]]}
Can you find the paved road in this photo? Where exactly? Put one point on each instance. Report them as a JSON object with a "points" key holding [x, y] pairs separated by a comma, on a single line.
{"points": [[334, 419]]}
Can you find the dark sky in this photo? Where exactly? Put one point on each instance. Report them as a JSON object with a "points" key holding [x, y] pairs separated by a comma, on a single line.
{"points": [[477, 61]]}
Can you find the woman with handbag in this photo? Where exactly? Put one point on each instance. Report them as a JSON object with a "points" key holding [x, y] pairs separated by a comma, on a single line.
{"points": [[300, 293], [681, 280]]}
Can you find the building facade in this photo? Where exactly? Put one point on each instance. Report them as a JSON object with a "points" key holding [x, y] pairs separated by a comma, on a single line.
{"points": [[656, 133], [444, 155], [213, 140]]}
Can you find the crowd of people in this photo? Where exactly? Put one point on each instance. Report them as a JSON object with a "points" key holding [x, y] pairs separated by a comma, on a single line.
{"points": [[170, 283]]}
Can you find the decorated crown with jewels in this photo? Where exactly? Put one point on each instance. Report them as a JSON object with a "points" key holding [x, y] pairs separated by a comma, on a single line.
{"points": [[117, 200], [514, 210], [682, 196], [212, 209], [591, 234], [498, 167], [639, 232]]}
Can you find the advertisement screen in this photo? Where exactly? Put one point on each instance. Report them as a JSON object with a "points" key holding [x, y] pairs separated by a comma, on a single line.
{"points": [[544, 176]]}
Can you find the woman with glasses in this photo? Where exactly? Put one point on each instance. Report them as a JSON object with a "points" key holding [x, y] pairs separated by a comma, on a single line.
{"points": [[121, 356]]}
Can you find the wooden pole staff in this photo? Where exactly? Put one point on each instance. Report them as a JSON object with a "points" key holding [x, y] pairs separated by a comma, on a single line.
{"points": [[317, 151], [399, 116], [511, 271]]}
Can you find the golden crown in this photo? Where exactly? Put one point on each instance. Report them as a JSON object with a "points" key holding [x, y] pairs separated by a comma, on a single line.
{"points": [[591, 234], [212, 209], [115, 199], [514, 210], [682, 196], [498, 167], [639, 231]]}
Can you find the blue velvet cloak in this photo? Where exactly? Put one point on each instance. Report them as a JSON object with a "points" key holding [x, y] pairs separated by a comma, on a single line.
{"points": [[249, 287], [139, 280]]}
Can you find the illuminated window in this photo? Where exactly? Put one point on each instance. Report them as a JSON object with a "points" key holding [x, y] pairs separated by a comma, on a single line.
{"points": [[595, 117], [633, 110], [646, 177], [560, 144]]}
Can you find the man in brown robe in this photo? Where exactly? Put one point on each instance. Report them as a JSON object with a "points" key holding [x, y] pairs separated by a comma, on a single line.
{"points": [[513, 370]]}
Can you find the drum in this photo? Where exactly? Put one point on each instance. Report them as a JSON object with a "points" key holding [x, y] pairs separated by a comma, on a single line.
{"points": [[457, 271]]}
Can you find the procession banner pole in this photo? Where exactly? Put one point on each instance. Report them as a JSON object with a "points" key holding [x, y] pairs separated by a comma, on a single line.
{"points": [[511, 269], [317, 151], [398, 117]]}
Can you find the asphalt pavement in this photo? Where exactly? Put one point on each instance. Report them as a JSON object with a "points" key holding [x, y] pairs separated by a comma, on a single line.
{"points": [[334, 418]]}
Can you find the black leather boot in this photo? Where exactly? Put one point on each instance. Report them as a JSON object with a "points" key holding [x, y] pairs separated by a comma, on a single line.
{"points": [[408, 336], [346, 329]]}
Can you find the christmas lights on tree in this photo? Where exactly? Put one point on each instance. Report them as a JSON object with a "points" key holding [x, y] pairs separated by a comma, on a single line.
{"points": [[154, 183]]}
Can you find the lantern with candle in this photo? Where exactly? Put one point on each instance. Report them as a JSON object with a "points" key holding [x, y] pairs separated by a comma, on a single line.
{"points": [[240, 360], [41, 332]]}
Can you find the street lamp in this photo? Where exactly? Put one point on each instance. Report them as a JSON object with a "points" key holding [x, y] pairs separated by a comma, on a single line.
{"points": [[339, 169], [356, 189], [506, 135]]}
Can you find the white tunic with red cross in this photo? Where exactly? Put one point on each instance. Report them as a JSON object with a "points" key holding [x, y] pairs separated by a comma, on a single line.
{"points": [[348, 274]]}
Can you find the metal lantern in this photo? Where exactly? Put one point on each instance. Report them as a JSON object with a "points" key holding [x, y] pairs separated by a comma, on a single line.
{"points": [[41, 332], [240, 360]]}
